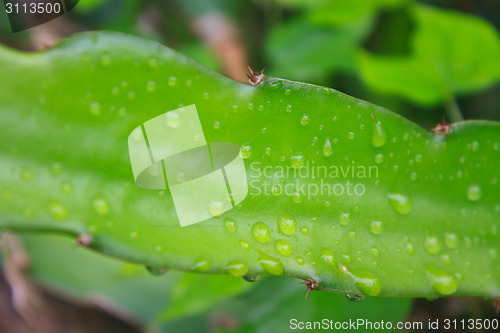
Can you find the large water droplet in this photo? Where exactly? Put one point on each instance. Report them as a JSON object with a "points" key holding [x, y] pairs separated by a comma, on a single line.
{"points": [[271, 265], [57, 210], [432, 244], [276, 190], [446, 259], [328, 257], [443, 282], [327, 147], [474, 192], [237, 267], [450, 240], [245, 150], [287, 225], [297, 197], [101, 206], [251, 278], [304, 230], [304, 120], [347, 258], [297, 160], [374, 251], [172, 81], [344, 218], [230, 225], [300, 261], [410, 248], [151, 86], [368, 283], [156, 271], [379, 137], [173, 119], [216, 207], [95, 108], [283, 247], [400, 202], [201, 265], [245, 245], [354, 297], [261, 233], [376, 227]]}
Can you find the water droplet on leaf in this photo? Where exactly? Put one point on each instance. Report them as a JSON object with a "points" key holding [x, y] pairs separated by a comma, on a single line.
{"points": [[283, 247], [379, 137], [237, 267], [271, 265], [287, 225], [400, 202], [261, 233], [230, 225]]}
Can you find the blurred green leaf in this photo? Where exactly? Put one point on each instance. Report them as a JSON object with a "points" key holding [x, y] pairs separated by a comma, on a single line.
{"points": [[202, 54], [339, 12], [452, 53], [87, 6], [302, 51], [195, 293], [115, 15], [57, 262], [276, 301]]}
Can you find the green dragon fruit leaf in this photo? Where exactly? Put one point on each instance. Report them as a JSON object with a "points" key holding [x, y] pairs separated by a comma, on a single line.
{"points": [[340, 191]]}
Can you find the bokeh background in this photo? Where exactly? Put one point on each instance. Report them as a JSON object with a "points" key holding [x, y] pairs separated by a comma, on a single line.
{"points": [[421, 59]]}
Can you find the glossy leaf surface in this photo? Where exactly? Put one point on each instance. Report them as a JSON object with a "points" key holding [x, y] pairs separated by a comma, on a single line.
{"points": [[418, 215]]}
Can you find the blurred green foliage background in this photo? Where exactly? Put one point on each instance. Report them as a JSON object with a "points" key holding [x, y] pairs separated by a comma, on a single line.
{"points": [[421, 59]]}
